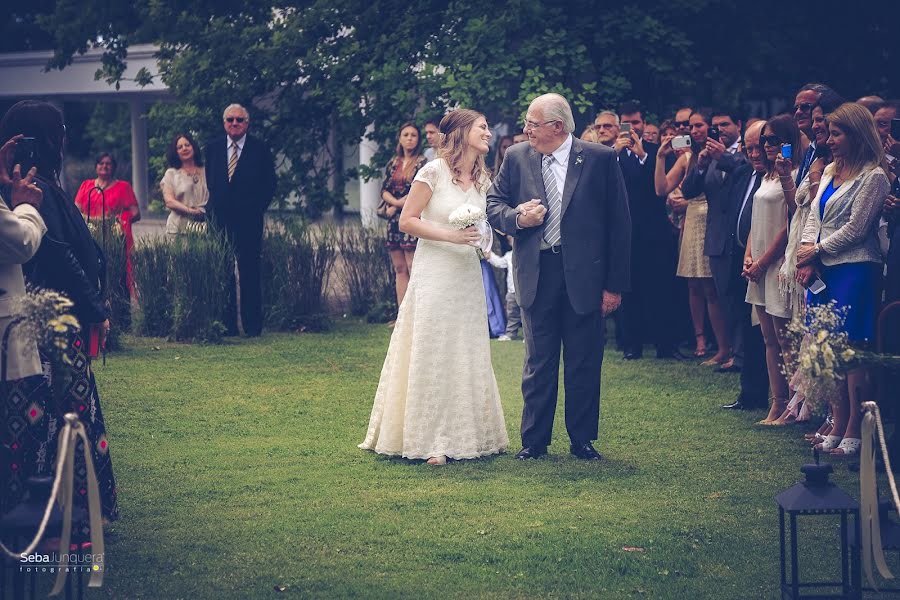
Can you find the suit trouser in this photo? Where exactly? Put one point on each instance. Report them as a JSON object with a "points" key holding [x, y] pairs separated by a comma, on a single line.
{"points": [[551, 322], [513, 315], [754, 371], [646, 310], [248, 258]]}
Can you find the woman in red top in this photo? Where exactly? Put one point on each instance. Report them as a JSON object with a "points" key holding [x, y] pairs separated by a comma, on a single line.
{"points": [[119, 199]]}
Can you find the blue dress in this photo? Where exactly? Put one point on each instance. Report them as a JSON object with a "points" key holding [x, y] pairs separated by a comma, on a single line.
{"points": [[851, 285], [496, 316]]}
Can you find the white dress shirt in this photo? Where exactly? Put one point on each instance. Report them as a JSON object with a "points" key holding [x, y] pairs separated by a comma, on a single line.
{"points": [[240, 147], [560, 164]]}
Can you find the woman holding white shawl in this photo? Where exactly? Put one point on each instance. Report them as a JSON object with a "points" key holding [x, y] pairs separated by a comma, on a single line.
{"points": [[437, 398]]}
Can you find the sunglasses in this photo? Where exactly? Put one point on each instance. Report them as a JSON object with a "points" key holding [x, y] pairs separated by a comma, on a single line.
{"points": [[770, 140], [804, 107], [233, 119], [682, 123]]}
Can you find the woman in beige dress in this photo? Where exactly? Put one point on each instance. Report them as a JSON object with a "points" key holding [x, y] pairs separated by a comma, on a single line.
{"points": [[693, 264], [773, 202], [184, 186]]}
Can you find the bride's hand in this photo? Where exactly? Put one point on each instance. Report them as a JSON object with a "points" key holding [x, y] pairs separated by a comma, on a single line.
{"points": [[469, 236]]}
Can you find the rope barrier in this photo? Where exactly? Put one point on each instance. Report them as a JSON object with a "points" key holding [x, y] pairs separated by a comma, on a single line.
{"points": [[872, 549]]}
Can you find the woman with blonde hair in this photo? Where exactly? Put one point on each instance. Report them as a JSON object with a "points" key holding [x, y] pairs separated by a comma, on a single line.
{"points": [[437, 398], [398, 177], [840, 245]]}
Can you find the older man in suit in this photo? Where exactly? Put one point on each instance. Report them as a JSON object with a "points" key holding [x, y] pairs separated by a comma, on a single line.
{"points": [[240, 174], [564, 200]]}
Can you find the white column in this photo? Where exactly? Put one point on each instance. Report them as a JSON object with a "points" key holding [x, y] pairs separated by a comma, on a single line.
{"points": [[139, 163], [369, 191]]}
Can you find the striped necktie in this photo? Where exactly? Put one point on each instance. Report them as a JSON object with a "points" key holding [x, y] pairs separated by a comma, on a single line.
{"points": [[232, 162], [552, 234]]}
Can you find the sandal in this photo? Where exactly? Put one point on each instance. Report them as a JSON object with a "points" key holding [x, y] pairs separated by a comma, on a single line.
{"points": [[829, 443], [698, 352], [437, 460], [847, 447]]}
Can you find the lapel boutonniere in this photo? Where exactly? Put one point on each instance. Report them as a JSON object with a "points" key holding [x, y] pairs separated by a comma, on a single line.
{"points": [[579, 159]]}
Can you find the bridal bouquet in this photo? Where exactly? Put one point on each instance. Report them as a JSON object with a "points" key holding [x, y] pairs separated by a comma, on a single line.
{"points": [[468, 216]]}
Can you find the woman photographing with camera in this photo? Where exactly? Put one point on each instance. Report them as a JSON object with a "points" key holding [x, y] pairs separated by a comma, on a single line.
{"points": [[69, 262]]}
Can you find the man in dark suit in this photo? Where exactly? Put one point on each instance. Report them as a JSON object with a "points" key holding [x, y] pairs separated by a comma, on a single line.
{"points": [[709, 176], [240, 174], [733, 203], [565, 202], [646, 310]]}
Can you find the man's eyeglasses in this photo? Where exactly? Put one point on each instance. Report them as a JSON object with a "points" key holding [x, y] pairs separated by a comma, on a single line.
{"points": [[233, 119], [803, 107], [770, 140], [532, 125], [682, 123], [752, 149], [599, 126]]}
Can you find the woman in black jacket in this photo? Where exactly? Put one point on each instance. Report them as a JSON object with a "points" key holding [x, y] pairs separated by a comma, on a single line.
{"points": [[70, 262]]}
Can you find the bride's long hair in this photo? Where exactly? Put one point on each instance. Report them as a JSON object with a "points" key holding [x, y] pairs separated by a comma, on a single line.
{"points": [[455, 128]]}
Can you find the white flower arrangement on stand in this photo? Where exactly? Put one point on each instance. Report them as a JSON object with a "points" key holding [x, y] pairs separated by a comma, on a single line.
{"points": [[468, 215]]}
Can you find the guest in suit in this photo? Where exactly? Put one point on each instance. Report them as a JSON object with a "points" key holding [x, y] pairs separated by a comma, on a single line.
{"points": [[646, 313], [565, 203], [21, 384], [240, 175], [840, 241], [720, 155], [807, 97]]}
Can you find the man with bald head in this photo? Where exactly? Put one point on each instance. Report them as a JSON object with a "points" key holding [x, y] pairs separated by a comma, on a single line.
{"points": [[565, 203]]}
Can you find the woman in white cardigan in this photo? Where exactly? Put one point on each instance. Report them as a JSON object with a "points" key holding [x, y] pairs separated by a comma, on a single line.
{"points": [[21, 407], [840, 243]]}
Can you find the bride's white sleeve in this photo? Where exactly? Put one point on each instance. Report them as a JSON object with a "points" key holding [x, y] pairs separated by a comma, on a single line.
{"points": [[429, 174]]}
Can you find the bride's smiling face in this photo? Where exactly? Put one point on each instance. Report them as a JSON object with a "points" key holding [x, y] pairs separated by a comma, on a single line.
{"points": [[480, 136]]}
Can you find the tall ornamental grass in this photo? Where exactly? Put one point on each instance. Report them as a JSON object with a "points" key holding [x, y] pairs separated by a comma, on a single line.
{"points": [[199, 277], [111, 239], [150, 261], [367, 273], [296, 266]]}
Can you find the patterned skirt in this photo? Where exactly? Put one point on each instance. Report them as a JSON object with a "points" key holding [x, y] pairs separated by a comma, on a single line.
{"points": [[24, 422], [396, 239]]}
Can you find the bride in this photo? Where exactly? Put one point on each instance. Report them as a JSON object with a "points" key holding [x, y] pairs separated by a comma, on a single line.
{"points": [[437, 398]]}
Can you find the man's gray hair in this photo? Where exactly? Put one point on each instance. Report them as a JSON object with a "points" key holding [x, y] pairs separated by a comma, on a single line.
{"points": [[556, 108], [233, 107], [610, 113]]}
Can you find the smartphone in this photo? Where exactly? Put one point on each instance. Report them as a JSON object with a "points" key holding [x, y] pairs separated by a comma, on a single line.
{"points": [[787, 151], [25, 154], [625, 128], [713, 133], [681, 141], [816, 286], [895, 129]]}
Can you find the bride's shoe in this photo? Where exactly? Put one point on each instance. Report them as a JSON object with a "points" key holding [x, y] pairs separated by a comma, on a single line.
{"points": [[437, 460]]}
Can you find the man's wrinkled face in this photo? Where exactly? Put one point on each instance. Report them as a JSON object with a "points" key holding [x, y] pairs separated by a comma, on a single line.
{"points": [[803, 105], [607, 129], [236, 122]]}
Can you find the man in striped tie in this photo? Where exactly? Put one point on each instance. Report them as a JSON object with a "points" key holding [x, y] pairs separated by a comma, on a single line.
{"points": [[565, 203], [240, 174]]}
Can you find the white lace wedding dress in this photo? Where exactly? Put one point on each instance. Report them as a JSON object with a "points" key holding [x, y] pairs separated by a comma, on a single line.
{"points": [[437, 395]]}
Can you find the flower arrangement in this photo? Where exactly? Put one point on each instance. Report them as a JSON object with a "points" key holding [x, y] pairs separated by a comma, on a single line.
{"points": [[824, 354], [468, 215]]}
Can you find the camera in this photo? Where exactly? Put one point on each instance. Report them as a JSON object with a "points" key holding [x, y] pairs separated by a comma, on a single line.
{"points": [[713, 133], [625, 128], [895, 129], [681, 141], [787, 151], [25, 155]]}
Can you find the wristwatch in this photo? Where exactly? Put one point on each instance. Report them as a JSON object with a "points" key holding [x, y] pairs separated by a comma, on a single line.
{"points": [[816, 249]]}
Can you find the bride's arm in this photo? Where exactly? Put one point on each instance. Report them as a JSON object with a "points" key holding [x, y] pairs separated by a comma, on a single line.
{"points": [[411, 219]]}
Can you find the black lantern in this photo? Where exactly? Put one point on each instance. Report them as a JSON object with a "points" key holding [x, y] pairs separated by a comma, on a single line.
{"points": [[19, 526], [818, 496]]}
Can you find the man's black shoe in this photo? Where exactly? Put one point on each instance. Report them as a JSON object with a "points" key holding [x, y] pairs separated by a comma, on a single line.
{"points": [[585, 451], [531, 452], [736, 405], [671, 355]]}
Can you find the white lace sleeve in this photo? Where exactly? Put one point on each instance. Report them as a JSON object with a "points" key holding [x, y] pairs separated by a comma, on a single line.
{"points": [[430, 174]]}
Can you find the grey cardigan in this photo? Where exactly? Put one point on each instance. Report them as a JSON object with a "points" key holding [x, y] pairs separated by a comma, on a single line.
{"points": [[849, 231]]}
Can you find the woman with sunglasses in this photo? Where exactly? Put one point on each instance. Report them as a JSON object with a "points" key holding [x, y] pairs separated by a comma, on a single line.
{"points": [[840, 241], [693, 264], [764, 255]]}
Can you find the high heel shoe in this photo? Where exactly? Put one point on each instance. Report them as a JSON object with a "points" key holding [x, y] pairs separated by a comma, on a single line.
{"points": [[829, 443], [437, 460], [848, 447], [778, 407]]}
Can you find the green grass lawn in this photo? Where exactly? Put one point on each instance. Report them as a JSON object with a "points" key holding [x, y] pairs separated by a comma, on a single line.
{"points": [[238, 472]]}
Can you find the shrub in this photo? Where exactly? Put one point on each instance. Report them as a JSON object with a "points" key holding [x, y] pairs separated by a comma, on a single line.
{"points": [[111, 238], [150, 261], [367, 273], [199, 276], [296, 265]]}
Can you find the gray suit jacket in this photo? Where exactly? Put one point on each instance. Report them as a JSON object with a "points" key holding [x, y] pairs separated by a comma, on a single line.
{"points": [[595, 227]]}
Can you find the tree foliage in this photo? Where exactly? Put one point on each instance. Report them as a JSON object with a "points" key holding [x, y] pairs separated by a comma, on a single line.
{"points": [[318, 72]]}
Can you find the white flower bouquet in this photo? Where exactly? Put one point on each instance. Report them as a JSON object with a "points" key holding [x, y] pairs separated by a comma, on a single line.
{"points": [[468, 215]]}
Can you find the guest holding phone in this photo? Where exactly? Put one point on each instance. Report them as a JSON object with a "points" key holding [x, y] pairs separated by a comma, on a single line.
{"points": [[840, 242], [70, 262]]}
